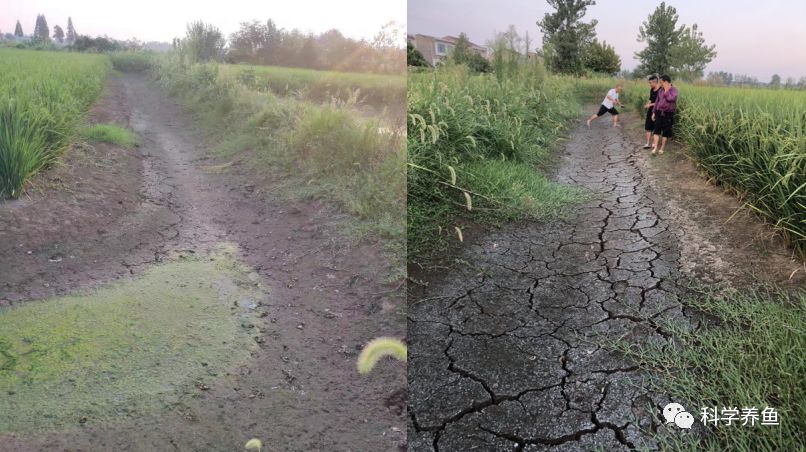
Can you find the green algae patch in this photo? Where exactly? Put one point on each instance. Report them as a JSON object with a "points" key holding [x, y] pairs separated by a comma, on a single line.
{"points": [[128, 349]]}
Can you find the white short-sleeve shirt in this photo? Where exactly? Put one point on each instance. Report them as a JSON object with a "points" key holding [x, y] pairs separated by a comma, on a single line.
{"points": [[607, 102]]}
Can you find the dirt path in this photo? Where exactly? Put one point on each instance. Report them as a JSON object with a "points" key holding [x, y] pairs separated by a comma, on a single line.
{"points": [[506, 351], [327, 298]]}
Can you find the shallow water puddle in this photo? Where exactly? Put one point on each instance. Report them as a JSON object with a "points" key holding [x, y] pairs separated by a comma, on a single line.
{"points": [[129, 348]]}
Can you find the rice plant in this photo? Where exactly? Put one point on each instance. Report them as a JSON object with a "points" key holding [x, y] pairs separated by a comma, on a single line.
{"points": [[754, 142], [42, 97]]}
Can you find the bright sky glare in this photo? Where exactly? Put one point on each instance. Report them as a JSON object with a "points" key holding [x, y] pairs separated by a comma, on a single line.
{"points": [[162, 20], [751, 37]]}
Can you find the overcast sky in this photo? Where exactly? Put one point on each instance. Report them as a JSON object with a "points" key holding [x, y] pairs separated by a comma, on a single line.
{"points": [[752, 37], [162, 20]]}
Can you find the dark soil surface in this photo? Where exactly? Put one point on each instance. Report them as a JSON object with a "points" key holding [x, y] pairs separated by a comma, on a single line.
{"points": [[506, 351], [117, 212]]}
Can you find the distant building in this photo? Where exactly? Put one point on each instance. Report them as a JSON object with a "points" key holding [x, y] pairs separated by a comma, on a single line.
{"points": [[437, 49]]}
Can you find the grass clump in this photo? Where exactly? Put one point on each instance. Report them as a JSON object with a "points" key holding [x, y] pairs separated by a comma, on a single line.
{"points": [[129, 348], [474, 147], [110, 133], [43, 96], [132, 61], [752, 356]]}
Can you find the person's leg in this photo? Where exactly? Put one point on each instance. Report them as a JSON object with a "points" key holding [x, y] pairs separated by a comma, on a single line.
{"points": [[662, 145], [615, 121], [648, 138], [602, 110], [655, 138]]}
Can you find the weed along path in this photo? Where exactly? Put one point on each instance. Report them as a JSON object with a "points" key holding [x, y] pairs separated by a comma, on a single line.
{"points": [[182, 310], [508, 349]]}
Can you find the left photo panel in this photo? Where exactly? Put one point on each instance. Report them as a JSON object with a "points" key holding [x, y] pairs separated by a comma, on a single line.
{"points": [[202, 226]]}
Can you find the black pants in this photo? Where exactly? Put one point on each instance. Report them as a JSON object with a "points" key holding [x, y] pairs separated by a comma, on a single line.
{"points": [[603, 110], [649, 124], [664, 121]]}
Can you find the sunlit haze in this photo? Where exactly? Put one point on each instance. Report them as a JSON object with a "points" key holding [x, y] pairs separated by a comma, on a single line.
{"points": [[161, 20], [751, 37]]}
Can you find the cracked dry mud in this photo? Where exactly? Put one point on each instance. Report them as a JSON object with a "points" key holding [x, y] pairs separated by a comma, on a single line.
{"points": [[506, 352]]}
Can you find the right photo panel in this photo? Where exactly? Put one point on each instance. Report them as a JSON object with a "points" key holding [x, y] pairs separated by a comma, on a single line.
{"points": [[606, 225]]}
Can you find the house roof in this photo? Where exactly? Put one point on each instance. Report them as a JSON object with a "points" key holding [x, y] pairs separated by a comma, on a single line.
{"points": [[450, 40]]}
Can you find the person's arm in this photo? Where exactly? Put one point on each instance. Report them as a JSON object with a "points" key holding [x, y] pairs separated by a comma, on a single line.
{"points": [[670, 95]]}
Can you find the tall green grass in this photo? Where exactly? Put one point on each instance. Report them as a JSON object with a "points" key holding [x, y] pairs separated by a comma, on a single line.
{"points": [[322, 86], [43, 95], [474, 145], [132, 61]]}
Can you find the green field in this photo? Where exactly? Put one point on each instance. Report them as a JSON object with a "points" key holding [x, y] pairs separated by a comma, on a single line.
{"points": [[322, 86], [43, 95], [752, 141]]}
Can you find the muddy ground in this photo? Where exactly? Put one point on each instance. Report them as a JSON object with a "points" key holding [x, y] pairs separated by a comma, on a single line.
{"points": [[506, 350], [109, 213]]}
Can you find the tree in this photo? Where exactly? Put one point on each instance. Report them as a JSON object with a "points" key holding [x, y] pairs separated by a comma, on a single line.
{"points": [[602, 58], [309, 53], [98, 44], [527, 44], [565, 35], [744, 80], [414, 57], [790, 83], [661, 34], [41, 29], [58, 34], [18, 30], [715, 79], [689, 57], [776, 81], [513, 39], [720, 78], [203, 42], [461, 50], [670, 48], [71, 32]]}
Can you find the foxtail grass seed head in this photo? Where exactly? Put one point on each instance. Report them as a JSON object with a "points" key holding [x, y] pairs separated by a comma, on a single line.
{"points": [[379, 348], [254, 444], [459, 233]]}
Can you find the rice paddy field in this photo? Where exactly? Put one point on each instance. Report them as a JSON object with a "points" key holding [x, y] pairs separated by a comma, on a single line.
{"points": [[751, 141], [43, 96], [322, 86]]}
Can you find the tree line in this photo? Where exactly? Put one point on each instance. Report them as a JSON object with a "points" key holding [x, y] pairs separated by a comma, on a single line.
{"points": [[255, 42], [264, 43], [42, 31], [570, 46]]}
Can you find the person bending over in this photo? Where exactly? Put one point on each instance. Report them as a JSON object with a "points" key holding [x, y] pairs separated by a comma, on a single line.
{"points": [[609, 106]]}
